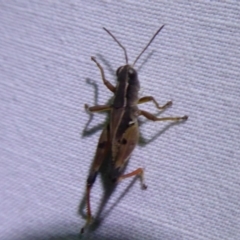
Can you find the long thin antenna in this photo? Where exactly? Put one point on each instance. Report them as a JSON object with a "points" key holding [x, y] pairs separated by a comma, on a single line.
{"points": [[148, 44], [115, 39]]}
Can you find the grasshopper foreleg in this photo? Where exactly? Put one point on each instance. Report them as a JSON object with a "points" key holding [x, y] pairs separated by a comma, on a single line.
{"points": [[105, 81]]}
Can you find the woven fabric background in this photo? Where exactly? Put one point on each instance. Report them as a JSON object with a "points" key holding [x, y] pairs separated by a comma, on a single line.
{"points": [[46, 76]]}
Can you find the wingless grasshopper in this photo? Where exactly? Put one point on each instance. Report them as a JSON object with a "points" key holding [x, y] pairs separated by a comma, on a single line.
{"points": [[121, 134]]}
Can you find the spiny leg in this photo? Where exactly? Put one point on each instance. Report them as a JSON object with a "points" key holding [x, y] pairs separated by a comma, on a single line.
{"points": [[139, 172], [98, 108], [154, 118], [105, 81], [100, 155], [150, 98], [90, 181]]}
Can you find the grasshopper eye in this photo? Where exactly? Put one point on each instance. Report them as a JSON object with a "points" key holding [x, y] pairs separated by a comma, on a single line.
{"points": [[118, 70], [131, 73]]}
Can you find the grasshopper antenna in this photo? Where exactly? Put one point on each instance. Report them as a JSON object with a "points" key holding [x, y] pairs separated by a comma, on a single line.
{"points": [[115, 39], [148, 44]]}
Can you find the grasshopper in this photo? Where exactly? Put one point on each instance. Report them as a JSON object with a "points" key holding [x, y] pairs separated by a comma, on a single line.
{"points": [[121, 134]]}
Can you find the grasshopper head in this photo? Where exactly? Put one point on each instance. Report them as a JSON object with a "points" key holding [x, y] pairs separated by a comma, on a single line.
{"points": [[128, 86], [128, 75]]}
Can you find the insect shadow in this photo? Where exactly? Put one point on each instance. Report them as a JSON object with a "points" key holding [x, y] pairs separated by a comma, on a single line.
{"points": [[108, 186]]}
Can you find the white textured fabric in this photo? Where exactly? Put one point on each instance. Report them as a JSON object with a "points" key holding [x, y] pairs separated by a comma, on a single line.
{"points": [[192, 170]]}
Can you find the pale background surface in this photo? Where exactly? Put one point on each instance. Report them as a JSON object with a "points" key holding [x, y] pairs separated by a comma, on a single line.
{"points": [[192, 169]]}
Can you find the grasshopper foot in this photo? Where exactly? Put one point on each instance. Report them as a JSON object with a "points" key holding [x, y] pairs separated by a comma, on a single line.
{"points": [[88, 222]]}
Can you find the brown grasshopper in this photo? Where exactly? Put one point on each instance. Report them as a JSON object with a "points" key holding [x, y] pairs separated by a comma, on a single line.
{"points": [[121, 134]]}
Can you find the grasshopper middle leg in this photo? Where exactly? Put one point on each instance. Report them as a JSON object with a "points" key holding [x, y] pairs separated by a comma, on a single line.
{"points": [[98, 108], [154, 118]]}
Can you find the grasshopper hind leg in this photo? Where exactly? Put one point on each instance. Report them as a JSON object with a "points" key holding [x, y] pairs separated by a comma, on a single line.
{"points": [[101, 155], [90, 181], [138, 172]]}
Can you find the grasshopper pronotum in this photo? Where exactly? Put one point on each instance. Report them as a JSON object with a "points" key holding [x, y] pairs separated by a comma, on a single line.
{"points": [[121, 134]]}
